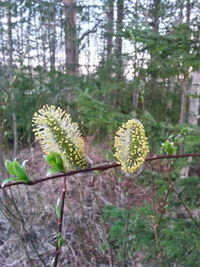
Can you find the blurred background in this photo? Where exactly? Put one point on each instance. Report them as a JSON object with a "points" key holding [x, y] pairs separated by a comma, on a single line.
{"points": [[103, 61]]}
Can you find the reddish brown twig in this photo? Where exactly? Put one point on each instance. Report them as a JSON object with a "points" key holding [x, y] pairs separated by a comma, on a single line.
{"points": [[70, 173], [173, 156], [60, 222], [100, 168]]}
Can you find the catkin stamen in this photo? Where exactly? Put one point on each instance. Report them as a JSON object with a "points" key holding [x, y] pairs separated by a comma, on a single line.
{"points": [[55, 131], [131, 146]]}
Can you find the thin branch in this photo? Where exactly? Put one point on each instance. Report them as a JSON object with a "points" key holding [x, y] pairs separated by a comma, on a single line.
{"points": [[85, 34], [100, 168], [70, 173], [173, 156], [155, 226], [60, 222]]}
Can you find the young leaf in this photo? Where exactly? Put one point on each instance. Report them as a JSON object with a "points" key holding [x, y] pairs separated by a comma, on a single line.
{"points": [[169, 147], [58, 208], [19, 171], [9, 167], [54, 159], [60, 240], [59, 161], [50, 158]]}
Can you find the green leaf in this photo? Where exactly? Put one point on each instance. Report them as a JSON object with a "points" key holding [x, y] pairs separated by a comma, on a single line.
{"points": [[60, 240], [7, 180], [58, 208], [19, 171], [59, 161], [50, 158], [169, 147], [54, 159], [14, 168], [9, 167]]}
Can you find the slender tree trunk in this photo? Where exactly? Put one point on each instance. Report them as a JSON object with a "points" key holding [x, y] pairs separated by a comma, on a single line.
{"points": [[194, 99], [136, 90], [180, 5], [184, 95], [172, 82], [118, 40], [71, 47], [155, 10], [109, 27], [135, 96], [193, 112], [188, 11], [52, 37], [12, 93], [156, 15], [185, 82], [2, 153]]}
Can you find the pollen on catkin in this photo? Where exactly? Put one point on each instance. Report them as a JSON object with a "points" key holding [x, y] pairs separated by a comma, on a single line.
{"points": [[55, 132], [131, 146]]}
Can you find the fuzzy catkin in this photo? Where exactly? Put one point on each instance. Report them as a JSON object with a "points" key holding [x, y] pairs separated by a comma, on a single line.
{"points": [[131, 146], [55, 132]]}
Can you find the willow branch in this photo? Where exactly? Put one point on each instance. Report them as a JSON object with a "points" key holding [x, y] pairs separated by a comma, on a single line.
{"points": [[70, 173], [60, 222], [100, 168]]}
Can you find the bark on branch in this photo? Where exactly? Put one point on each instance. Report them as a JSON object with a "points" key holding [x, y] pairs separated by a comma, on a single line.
{"points": [[100, 168]]}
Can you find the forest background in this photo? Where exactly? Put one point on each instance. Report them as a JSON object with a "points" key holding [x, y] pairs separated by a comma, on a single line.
{"points": [[104, 62]]}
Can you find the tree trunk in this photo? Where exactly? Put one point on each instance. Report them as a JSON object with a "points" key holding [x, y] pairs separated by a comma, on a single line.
{"points": [[188, 11], [71, 48], [2, 153], [184, 93], [156, 15], [185, 82], [118, 40], [155, 10], [193, 112], [194, 99], [52, 36], [10, 64], [109, 28]]}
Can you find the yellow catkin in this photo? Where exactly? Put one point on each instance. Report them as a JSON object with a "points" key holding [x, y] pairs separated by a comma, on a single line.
{"points": [[131, 146], [55, 132]]}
